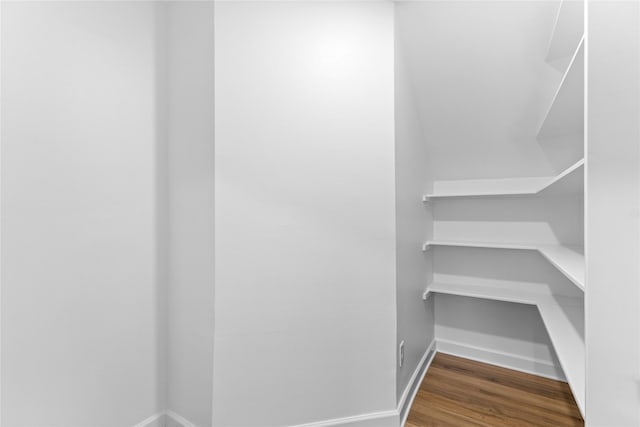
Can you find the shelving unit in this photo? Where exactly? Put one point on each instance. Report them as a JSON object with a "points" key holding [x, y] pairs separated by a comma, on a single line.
{"points": [[567, 32], [512, 215], [565, 115], [562, 318], [497, 293], [569, 260], [569, 181]]}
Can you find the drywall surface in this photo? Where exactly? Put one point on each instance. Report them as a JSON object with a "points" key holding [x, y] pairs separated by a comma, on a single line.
{"points": [[190, 53], [536, 220], [305, 318], [482, 87], [498, 335], [79, 319], [413, 218], [613, 206]]}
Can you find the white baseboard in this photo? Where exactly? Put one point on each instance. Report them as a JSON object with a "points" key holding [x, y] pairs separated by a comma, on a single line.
{"points": [[393, 418], [176, 420], [410, 391], [165, 419], [398, 417], [374, 419], [155, 420], [516, 362]]}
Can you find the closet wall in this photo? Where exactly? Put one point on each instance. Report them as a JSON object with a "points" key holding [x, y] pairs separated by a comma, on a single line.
{"points": [[305, 213], [188, 90], [415, 319], [107, 213], [613, 220], [81, 331]]}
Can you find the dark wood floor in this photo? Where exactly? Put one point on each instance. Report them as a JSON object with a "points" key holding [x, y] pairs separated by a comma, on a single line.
{"points": [[460, 392]]}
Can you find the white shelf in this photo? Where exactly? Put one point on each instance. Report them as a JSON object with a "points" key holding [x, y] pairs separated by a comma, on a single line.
{"points": [[567, 32], [568, 181], [565, 115], [563, 318], [498, 293], [467, 244], [569, 260]]}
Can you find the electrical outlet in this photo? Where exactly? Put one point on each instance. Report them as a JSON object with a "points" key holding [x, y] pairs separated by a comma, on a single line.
{"points": [[401, 353]]}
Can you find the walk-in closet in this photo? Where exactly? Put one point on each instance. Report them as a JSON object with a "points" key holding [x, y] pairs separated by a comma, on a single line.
{"points": [[320, 213]]}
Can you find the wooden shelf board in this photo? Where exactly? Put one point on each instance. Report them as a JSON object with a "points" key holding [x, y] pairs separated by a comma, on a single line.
{"points": [[565, 115], [563, 318], [569, 260], [512, 187]]}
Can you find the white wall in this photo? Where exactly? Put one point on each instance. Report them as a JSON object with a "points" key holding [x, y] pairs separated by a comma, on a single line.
{"points": [[305, 225], [482, 87], [80, 339], [413, 218], [543, 220], [508, 334], [613, 220], [190, 123]]}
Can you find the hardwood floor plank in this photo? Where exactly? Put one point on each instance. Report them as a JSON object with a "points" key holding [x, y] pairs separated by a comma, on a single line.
{"points": [[466, 412], [511, 378], [436, 416], [459, 392], [454, 382], [477, 401]]}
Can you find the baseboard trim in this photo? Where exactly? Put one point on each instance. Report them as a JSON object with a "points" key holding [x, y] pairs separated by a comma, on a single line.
{"points": [[165, 419], [373, 419], [410, 391], [498, 358], [155, 420], [395, 417], [177, 420], [398, 416]]}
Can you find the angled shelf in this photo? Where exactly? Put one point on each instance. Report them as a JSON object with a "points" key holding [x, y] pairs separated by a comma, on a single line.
{"points": [[565, 115], [498, 293], [469, 244], [563, 318], [569, 260], [568, 181], [567, 32]]}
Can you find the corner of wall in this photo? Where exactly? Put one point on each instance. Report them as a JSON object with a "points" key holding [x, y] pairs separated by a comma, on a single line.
{"points": [[415, 318], [409, 394], [161, 198]]}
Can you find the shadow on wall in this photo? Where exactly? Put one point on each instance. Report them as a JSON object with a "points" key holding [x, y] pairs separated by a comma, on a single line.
{"points": [[510, 219], [498, 267]]}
